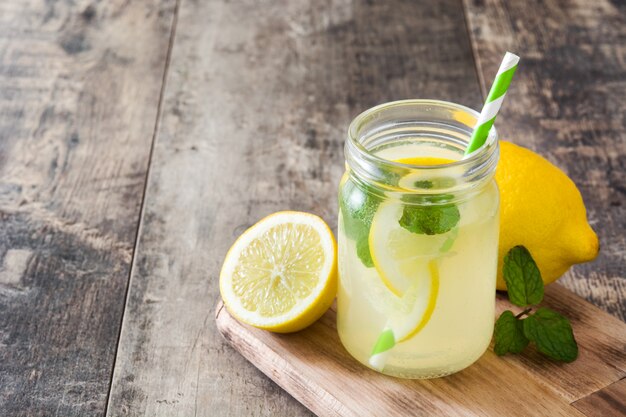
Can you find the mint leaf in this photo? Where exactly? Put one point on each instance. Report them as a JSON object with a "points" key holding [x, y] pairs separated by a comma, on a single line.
{"points": [[509, 334], [386, 176], [438, 183], [553, 335], [358, 206], [426, 184], [430, 220], [551, 332], [522, 277], [363, 251]]}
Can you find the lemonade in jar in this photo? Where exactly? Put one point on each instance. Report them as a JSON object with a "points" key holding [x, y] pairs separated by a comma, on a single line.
{"points": [[418, 239]]}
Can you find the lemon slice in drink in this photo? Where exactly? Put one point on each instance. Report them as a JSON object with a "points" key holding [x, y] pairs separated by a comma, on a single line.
{"points": [[281, 274], [422, 296], [407, 264], [399, 255]]}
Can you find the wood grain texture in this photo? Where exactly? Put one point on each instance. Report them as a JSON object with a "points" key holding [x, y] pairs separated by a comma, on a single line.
{"points": [[609, 401], [313, 366], [79, 89], [602, 347], [256, 108], [567, 103]]}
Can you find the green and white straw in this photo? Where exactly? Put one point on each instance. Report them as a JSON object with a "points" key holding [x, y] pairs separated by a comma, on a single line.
{"points": [[396, 329], [386, 341], [494, 101]]}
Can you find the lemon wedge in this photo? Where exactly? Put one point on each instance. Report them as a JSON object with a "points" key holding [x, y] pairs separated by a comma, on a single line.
{"points": [[281, 274]]}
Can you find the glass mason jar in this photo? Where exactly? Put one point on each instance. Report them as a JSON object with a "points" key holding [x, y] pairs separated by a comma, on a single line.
{"points": [[418, 240]]}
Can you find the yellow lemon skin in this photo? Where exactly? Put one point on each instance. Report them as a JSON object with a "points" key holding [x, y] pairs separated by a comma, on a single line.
{"points": [[541, 209]]}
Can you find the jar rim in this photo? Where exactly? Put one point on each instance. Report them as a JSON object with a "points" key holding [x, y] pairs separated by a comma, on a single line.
{"points": [[448, 124], [473, 158]]}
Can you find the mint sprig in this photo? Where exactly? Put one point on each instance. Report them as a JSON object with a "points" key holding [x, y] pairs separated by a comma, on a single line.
{"points": [[548, 330]]}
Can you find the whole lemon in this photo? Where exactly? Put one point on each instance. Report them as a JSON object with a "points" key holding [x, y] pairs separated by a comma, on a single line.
{"points": [[541, 209]]}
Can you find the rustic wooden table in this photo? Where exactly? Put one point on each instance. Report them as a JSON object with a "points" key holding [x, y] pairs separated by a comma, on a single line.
{"points": [[138, 139]]}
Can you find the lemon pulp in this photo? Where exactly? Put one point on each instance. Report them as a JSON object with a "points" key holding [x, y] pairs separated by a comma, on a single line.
{"points": [[280, 275]]}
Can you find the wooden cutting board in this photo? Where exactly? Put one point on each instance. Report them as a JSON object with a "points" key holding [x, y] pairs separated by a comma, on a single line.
{"points": [[313, 367]]}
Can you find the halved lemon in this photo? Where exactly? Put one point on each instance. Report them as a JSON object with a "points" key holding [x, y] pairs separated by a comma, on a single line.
{"points": [[281, 274]]}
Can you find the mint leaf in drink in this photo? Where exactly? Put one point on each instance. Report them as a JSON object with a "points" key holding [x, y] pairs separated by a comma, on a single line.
{"points": [[423, 184], [553, 335], [418, 182], [358, 206], [363, 251], [430, 220], [509, 334], [522, 277]]}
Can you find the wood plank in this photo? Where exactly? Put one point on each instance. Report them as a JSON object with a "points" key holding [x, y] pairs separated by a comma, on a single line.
{"points": [[602, 345], [79, 90], [606, 402], [313, 366], [256, 110], [567, 103]]}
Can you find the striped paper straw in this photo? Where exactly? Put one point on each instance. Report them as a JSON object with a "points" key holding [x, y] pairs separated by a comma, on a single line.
{"points": [[386, 341], [493, 103]]}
